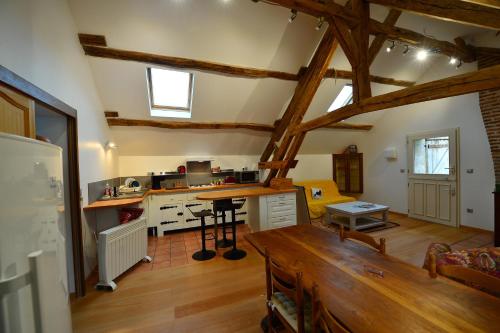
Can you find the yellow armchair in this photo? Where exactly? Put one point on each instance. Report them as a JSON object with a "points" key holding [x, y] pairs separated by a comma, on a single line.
{"points": [[330, 195]]}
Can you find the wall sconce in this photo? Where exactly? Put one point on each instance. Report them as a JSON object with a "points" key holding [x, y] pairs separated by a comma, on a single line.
{"points": [[391, 154], [111, 145]]}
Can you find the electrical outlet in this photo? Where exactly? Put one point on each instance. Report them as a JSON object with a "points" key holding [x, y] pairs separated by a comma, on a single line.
{"points": [[470, 170], [470, 210]]}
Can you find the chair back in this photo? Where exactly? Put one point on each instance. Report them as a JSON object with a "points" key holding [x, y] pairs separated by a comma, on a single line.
{"points": [[471, 277], [278, 279], [323, 319], [362, 237]]}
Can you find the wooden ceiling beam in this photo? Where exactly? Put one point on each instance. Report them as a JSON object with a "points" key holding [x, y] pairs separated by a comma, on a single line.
{"points": [[113, 120], [217, 68], [188, 124], [377, 44], [413, 38], [449, 10], [485, 79], [487, 3], [361, 71]]}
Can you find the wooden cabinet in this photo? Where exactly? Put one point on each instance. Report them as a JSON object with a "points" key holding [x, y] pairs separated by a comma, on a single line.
{"points": [[348, 172], [17, 114]]}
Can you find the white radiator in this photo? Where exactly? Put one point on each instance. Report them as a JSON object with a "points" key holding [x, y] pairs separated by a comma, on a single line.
{"points": [[120, 248]]}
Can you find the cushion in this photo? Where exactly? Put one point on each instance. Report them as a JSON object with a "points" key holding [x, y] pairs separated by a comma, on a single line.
{"points": [[316, 193], [286, 307], [436, 249]]}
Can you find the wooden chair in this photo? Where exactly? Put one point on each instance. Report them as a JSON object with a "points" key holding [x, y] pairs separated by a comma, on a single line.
{"points": [[322, 318], [362, 237], [285, 297], [465, 275]]}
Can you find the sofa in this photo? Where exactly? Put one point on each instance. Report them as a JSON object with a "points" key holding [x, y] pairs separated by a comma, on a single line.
{"points": [[330, 195]]}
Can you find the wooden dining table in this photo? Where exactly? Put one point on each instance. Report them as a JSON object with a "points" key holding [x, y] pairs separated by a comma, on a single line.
{"points": [[371, 292]]}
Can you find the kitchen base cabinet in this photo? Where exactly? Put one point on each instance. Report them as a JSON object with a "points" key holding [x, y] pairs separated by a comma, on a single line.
{"points": [[168, 212], [272, 211]]}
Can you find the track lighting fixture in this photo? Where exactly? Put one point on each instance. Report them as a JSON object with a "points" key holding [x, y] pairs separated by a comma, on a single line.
{"points": [[406, 50], [321, 20], [293, 15], [391, 47]]}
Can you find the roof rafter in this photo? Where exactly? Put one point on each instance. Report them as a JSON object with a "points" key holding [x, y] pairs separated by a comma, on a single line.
{"points": [[449, 10], [484, 79], [318, 9]]}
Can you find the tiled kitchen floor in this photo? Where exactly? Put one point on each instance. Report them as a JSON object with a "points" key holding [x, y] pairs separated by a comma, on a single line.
{"points": [[176, 249]]}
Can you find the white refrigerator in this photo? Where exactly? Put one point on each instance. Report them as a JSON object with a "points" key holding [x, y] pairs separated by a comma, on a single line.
{"points": [[33, 278]]}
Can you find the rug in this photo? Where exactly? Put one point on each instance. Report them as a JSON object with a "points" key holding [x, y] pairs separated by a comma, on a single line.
{"points": [[334, 227]]}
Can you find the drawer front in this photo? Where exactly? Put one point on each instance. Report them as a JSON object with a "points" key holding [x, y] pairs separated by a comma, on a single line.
{"points": [[170, 197], [282, 221], [284, 211], [285, 197]]}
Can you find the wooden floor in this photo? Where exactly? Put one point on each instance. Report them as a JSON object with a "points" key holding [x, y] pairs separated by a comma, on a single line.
{"points": [[226, 296]]}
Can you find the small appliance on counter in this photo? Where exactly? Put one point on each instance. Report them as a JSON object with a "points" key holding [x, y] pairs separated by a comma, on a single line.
{"points": [[246, 176]]}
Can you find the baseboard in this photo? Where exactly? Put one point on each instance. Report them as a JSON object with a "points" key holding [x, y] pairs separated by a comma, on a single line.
{"points": [[466, 227], [398, 213]]}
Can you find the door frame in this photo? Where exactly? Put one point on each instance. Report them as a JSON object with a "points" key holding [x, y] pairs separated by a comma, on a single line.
{"points": [[411, 175], [13, 81]]}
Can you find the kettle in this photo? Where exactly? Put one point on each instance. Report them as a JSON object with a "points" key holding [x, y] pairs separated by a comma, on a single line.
{"points": [[181, 169]]}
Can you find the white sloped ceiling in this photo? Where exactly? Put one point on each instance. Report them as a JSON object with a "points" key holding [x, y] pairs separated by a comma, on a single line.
{"points": [[237, 32]]}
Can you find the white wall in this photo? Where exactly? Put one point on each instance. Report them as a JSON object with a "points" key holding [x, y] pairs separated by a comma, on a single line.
{"points": [[309, 166], [384, 183], [38, 41]]}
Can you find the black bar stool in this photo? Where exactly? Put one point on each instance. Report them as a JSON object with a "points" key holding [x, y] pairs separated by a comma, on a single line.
{"points": [[234, 253], [203, 254], [223, 206]]}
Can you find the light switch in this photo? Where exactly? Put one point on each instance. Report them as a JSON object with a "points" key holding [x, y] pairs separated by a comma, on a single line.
{"points": [[470, 170]]}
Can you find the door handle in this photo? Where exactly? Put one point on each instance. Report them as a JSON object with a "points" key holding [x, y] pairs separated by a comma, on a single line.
{"points": [[452, 191]]}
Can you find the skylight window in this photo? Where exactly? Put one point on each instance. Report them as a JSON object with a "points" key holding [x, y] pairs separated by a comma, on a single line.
{"points": [[342, 99], [170, 93]]}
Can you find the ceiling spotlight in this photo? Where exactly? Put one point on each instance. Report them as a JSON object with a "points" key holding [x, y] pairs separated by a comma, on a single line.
{"points": [[110, 145], [321, 20], [453, 61], [293, 15], [422, 55], [459, 64], [406, 50], [390, 48]]}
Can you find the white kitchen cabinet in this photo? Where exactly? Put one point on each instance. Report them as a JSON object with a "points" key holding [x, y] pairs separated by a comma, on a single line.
{"points": [[169, 212], [272, 211]]}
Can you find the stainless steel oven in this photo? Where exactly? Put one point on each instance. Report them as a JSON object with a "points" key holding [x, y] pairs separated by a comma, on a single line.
{"points": [[246, 177]]}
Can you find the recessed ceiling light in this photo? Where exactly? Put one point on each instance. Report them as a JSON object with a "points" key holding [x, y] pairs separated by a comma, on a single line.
{"points": [[422, 55]]}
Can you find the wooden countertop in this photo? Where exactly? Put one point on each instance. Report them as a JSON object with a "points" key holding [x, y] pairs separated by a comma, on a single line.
{"points": [[403, 299], [242, 193], [133, 201]]}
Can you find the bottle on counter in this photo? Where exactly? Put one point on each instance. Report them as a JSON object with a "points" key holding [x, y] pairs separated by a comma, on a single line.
{"points": [[107, 190]]}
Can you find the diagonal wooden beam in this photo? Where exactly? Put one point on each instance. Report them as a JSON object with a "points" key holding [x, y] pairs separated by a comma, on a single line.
{"points": [[379, 40], [305, 90], [376, 28], [449, 10], [485, 79], [304, 93]]}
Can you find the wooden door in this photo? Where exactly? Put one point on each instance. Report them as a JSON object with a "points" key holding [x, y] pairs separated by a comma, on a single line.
{"points": [[17, 114], [433, 174]]}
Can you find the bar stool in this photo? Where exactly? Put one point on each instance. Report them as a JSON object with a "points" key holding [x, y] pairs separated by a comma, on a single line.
{"points": [[223, 206], [203, 254], [234, 253]]}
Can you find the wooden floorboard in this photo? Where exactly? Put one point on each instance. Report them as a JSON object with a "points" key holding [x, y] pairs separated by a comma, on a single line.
{"points": [[221, 295]]}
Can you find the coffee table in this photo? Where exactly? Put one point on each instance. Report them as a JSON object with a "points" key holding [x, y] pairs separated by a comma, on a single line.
{"points": [[357, 214]]}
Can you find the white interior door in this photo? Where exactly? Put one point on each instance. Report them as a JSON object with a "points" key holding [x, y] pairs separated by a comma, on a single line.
{"points": [[433, 189]]}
